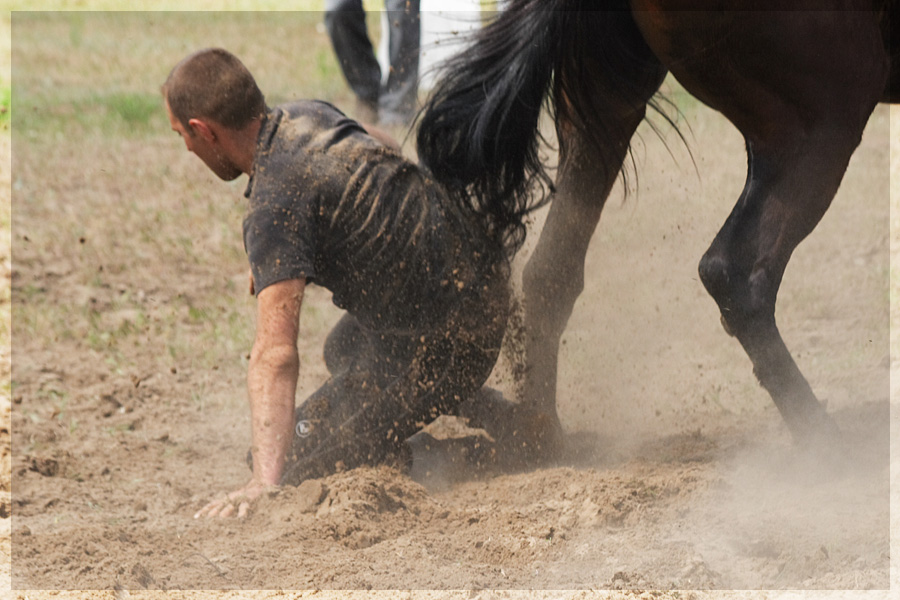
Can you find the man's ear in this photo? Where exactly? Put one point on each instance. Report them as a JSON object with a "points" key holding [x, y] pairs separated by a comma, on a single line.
{"points": [[202, 129]]}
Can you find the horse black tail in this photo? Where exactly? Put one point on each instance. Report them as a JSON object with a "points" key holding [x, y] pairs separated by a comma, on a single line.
{"points": [[478, 132]]}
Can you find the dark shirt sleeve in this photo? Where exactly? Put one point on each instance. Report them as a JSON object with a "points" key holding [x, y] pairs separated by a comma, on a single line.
{"points": [[280, 243]]}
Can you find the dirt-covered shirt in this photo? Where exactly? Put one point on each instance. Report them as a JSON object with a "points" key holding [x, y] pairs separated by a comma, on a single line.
{"points": [[330, 204]]}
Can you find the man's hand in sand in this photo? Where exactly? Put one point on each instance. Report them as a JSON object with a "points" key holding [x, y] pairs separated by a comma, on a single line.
{"points": [[238, 501]]}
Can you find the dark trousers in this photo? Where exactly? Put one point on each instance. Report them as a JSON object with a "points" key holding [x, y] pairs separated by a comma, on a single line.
{"points": [[395, 99], [385, 387]]}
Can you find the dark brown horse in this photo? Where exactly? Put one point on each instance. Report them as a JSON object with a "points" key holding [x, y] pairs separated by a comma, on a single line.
{"points": [[798, 78]]}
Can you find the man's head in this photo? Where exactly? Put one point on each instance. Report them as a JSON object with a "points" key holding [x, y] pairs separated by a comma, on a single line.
{"points": [[211, 99]]}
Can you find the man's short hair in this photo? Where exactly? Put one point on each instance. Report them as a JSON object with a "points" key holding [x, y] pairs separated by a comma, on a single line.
{"points": [[213, 84]]}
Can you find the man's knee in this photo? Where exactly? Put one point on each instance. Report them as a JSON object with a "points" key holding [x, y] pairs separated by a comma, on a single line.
{"points": [[345, 343]]}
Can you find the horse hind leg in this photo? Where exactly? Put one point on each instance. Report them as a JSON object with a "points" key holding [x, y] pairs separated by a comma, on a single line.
{"points": [[799, 86], [789, 187], [552, 280], [554, 275]]}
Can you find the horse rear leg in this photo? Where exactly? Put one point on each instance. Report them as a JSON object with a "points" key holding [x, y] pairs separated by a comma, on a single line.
{"points": [[602, 90], [800, 86], [554, 276], [789, 187]]}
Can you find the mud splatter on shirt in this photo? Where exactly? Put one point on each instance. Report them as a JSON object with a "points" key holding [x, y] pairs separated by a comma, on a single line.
{"points": [[331, 204]]}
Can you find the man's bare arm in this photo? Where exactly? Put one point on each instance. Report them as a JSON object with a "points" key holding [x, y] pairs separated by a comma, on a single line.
{"points": [[272, 385]]}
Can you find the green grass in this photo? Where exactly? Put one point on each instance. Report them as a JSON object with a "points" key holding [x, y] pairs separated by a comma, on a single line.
{"points": [[98, 74], [135, 109], [120, 114]]}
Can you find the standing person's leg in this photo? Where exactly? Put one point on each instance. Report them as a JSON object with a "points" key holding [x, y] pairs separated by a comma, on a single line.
{"points": [[345, 21], [400, 93]]}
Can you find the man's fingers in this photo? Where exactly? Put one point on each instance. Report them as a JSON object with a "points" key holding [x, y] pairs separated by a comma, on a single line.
{"points": [[223, 509], [203, 511], [236, 503], [210, 510]]}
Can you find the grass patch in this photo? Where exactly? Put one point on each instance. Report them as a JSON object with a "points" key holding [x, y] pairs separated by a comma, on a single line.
{"points": [[119, 114], [134, 109], [99, 73]]}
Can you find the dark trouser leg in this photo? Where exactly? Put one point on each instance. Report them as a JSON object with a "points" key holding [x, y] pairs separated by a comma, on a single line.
{"points": [[325, 439], [399, 94], [365, 414], [345, 21], [344, 344]]}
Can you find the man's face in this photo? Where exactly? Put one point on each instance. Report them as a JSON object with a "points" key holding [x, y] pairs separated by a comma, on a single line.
{"points": [[209, 151]]}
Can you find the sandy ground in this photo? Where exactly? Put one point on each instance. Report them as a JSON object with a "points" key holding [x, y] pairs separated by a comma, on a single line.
{"points": [[681, 478]]}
